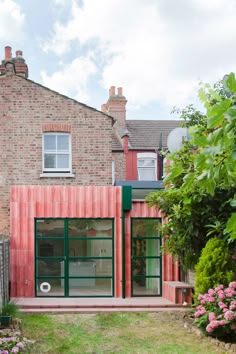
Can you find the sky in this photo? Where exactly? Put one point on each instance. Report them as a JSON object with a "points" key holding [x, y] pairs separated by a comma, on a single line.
{"points": [[157, 50]]}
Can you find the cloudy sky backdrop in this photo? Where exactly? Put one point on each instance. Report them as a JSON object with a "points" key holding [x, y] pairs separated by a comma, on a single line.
{"points": [[157, 50]]}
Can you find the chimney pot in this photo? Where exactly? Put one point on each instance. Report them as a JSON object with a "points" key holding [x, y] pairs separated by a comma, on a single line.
{"points": [[112, 91], [19, 54], [104, 108], [120, 91], [7, 52]]}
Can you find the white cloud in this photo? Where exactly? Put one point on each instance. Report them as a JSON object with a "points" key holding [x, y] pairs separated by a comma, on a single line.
{"points": [[72, 80], [11, 20], [157, 50]]}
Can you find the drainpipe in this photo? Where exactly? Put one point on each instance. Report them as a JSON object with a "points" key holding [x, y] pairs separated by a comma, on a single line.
{"points": [[126, 206], [123, 253]]}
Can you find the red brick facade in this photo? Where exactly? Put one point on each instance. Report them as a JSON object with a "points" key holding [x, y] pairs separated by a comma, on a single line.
{"points": [[26, 110]]}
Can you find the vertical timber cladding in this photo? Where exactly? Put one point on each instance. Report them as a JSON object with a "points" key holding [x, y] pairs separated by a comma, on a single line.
{"points": [[30, 202]]}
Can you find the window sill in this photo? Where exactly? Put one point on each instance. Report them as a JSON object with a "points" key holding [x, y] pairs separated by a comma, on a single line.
{"points": [[57, 175]]}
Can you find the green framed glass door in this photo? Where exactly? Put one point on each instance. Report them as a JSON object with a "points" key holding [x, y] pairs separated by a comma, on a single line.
{"points": [[74, 257], [146, 268]]}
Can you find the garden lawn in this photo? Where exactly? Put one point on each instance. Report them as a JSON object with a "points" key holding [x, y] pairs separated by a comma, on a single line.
{"points": [[160, 332]]}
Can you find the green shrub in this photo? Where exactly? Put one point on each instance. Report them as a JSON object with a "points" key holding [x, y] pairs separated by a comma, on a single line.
{"points": [[10, 309], [215, 266]]}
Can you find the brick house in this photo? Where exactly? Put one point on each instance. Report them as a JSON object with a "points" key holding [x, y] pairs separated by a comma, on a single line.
{"points": [[75, 228]]}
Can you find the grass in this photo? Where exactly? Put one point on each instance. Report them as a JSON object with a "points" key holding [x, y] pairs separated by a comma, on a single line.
{"points": [[123, 333]]}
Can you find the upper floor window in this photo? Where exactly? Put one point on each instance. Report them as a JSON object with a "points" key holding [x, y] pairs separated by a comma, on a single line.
{"points": [[56, 152], [147, 166]]}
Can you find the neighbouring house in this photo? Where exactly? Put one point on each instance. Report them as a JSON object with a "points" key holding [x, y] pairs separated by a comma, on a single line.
{"points": [[72, 187]]}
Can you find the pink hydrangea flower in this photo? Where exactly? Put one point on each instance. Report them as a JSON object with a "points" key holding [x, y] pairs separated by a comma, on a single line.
{"points": [[232, 305], [209, 329], [221, 323], [218, 288], [211, 316], [222, 305], [215, 324], [15, 350], [221, 295], [211, 292], [232, 284], [20, 345], [229, 315]]}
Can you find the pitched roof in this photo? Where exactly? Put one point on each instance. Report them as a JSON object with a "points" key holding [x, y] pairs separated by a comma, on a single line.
{"points": [[116, 144], [146, 134]]}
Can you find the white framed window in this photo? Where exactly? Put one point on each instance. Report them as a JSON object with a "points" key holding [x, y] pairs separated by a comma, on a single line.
{"points": [[147, 166], [56, 152]]}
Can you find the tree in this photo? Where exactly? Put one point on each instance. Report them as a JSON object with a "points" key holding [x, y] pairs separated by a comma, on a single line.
{"points": [[200, 199]]}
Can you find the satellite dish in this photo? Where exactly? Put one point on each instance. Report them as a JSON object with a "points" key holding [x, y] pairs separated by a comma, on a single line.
{"points": [[176, 138]]}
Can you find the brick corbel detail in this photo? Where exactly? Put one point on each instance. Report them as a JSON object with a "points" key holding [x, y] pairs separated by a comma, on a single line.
{"points": [[56, 127]]}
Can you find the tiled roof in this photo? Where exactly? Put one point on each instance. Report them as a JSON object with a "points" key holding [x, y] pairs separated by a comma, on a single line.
{"points": [[116, 144], [145, 134]]}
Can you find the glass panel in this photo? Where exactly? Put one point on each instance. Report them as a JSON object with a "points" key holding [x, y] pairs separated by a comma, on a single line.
{"points": [[146, 163], [49, 142], [49, 267], [49, 161], [62, 142], [90, 287], [90, 248], [52, 248], [146, 266], [82, 269], [78, 248], [50, 287], [145, 228], [63, 161], [50, 228], [146, 286], [147, 174], [90, 228]]}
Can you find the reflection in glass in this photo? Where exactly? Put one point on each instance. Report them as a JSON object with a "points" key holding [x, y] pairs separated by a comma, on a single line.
{"points": [[50, 248], [146, 266], [146, 286], [90, 228], [48, 267], [50, 228], [146, 228], [100, 287]]}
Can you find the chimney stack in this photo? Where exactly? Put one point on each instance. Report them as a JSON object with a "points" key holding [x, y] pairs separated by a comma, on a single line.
{"points": [[115, 106], [21, 69], [7, 53]]}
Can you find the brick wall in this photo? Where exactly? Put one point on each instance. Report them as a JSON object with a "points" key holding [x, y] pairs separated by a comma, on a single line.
{"points": [[120, 168], [26, 108]]}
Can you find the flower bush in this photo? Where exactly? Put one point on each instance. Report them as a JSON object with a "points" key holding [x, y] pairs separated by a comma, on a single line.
{"points": [[13, 342], [216, 313]]}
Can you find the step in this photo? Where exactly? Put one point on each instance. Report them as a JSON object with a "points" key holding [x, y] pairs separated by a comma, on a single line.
{"points": [[84, 310], [100, 306]]}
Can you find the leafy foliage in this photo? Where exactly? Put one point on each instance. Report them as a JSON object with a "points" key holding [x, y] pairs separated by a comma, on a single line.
{"points": [[200, 199], [214, 267]]}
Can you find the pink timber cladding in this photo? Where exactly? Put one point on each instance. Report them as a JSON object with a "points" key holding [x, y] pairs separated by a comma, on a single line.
{"points": [[29, 202], [26, 110]]}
